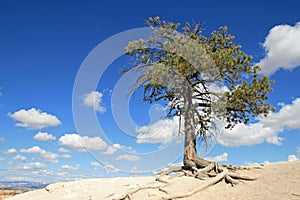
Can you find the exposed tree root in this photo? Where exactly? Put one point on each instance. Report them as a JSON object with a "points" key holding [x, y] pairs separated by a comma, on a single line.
{"points": [[212, 173], [235, 168], [211, 182], [171, 170], [130, 193], [230, 180], [241, 177], [205, 170]]}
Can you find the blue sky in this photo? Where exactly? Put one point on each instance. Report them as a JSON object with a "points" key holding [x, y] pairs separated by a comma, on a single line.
{"points": [[44, 116]]}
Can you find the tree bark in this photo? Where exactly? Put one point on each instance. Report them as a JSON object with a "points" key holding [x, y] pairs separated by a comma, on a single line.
{"points": [[190, 152], [191, 159]]}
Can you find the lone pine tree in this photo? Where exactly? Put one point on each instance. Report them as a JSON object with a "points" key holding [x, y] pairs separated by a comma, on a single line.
{"points": [[204, 79]]}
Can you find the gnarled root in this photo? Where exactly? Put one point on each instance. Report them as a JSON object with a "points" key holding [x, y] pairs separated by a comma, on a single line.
{"points": [[130, 193], [212, 172], [211, 182]]}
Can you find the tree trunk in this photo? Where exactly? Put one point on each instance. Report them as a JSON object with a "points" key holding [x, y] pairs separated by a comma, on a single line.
{"points": [[190, 156], [190, 152]]}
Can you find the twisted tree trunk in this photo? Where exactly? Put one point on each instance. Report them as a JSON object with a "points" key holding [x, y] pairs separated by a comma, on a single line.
{"points": [[190, 158], [190, 152]]}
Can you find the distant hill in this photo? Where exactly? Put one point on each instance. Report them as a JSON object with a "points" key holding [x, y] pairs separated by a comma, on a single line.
{"points": [[21, 185]]}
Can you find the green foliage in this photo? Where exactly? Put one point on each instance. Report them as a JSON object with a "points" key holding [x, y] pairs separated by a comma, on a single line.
{"points": [[177, 66]]}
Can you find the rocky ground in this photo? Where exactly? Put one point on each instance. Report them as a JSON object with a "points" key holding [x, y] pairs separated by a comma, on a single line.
{"points": [[275, 181]]}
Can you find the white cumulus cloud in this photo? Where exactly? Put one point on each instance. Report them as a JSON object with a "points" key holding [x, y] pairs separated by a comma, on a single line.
{"points": [[10, 151], [287, 117], [292, 158], [69, 167], [94, 100], [20, 158], [34, 119], [82, 143], [247, 163], [33, 165], [219, 158], [49, 157], [110, 150], [109, 168], [128, 157], [44, 155], [43, 136], [162, 131], [95, 165], [66, 155], [267, 129], [1, 159], [63, 150], [282, 46], [32, 150], [248, 135]]}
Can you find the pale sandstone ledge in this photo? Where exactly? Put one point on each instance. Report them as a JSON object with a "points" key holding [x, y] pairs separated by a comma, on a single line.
{"points": [[275, 181], [8, 193]]}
